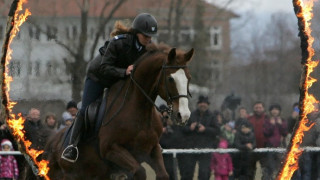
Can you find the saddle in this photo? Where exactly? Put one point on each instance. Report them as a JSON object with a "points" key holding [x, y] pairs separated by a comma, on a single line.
{"points": [[92, 120], [94, 115]]}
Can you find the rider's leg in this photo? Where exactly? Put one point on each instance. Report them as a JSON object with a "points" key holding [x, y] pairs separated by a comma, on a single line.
{"points": [[91, 92]]}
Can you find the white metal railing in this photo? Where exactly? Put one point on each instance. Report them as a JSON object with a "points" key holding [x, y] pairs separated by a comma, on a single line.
{"points": [[205, 150]]}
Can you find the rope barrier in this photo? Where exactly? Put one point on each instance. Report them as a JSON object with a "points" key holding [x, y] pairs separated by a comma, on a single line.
{"points": [[205, 150], [233, 150]]}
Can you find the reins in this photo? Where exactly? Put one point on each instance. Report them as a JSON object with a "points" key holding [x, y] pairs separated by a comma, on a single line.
{"points": [[170, 98]]}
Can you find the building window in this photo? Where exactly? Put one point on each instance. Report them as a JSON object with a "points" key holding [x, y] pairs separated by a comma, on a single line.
{"points": [[215, 38], [92, 33], [15, 69], [30, 32], [67, 33], [74, 31], [37, 69], [1, 32], [30, 68], [51, 32], [37, 35]]}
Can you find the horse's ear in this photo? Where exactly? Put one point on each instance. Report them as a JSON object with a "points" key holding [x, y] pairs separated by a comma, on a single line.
{"points": [[189, 55], [172, 54]]}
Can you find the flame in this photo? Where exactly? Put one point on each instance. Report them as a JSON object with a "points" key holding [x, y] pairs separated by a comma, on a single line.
{"points": [[16, 124], [291, 163]]}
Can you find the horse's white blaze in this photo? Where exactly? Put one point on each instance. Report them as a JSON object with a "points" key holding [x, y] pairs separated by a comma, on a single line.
{"points": [[181, 81]]}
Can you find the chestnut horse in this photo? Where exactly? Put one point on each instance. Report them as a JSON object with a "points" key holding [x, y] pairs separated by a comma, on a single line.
{"points": [[131, 128]]}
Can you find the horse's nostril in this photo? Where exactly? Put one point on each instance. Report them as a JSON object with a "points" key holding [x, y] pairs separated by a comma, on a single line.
{"points": [[179, 116]]}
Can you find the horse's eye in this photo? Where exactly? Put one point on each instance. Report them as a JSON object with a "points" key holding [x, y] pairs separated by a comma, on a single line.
{"points": [[170, 79]]}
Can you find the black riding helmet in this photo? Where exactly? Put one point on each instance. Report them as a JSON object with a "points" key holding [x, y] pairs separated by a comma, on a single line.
{"points": [[146, 24]]}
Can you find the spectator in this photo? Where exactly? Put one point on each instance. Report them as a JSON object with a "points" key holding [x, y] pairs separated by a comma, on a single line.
{"points": [[67, 119], [221, 163], [201, 131], [218, 118], [35, 131], [32, 126], [245, 141], [8, 164], [51, 121], [171, 135], [258, 120], [72, 108], [228, 133], [243, 117], [293, 118], [5, 133], [274, 130]]}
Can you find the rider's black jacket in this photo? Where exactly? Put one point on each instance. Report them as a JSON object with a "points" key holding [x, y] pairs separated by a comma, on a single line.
{"points": [[114, 58]]}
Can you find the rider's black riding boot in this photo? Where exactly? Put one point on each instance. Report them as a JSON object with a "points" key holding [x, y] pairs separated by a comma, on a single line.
{"points": [[71, 153]]}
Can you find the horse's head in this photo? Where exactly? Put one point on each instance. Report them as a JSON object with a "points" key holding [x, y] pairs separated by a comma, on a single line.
{"points": [[175, 87]]}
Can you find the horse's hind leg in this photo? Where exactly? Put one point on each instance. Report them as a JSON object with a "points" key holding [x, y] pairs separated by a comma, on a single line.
{"points": [[157, 163], [121, 157]]}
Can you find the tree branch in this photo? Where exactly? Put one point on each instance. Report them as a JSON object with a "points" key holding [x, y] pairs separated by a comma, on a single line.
{"points": [[102, 25], [32, 22]]}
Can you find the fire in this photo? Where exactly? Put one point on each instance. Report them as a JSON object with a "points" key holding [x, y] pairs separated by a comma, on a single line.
{"points": [[291, 163], [16, 124]]}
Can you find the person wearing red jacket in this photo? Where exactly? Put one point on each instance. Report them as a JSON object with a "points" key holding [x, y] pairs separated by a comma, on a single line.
{"points": [[258, 120]]}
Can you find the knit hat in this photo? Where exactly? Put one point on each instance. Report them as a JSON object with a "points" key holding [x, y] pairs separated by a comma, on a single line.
{"points": [[223, 144], [203, 99], [66, 116], [72, 104], [6, 142]]}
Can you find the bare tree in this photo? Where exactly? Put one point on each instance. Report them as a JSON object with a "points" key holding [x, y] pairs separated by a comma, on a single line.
{"points": [[76, 66]]}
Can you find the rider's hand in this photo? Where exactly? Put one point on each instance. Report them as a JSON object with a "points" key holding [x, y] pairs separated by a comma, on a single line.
{"points": [[129, 69]]}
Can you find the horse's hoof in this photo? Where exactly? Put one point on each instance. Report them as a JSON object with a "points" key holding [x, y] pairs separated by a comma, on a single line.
{"points": [[118, 176]]}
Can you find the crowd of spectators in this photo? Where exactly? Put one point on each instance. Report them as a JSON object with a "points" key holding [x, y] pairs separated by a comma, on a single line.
{"points": [[205, 129], [261, 128]]}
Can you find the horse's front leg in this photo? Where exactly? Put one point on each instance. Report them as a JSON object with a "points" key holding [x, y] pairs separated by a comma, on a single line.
{"points": [[124, 159], [157, 163]]}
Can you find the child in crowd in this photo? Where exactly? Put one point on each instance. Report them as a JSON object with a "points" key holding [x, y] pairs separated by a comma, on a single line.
{"points": [[8, 164], [67, 119], [228, 133], [221, 163], [245, 141]]}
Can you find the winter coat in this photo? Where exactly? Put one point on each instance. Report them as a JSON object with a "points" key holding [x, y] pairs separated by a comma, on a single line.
{"points": [[242, 139], [257, 123], [274, 132], [114, 58], [206, 139], [8, 167], [221, 164]]}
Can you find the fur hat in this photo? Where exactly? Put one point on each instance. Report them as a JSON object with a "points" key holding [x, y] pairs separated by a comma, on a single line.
{"points": [[66, 116], [6, 142]]}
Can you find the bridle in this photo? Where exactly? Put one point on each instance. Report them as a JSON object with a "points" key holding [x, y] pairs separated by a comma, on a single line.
{"points": [[170, 98]]}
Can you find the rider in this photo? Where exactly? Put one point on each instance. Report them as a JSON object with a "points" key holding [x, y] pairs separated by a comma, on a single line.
{"points": [[114, 62]]}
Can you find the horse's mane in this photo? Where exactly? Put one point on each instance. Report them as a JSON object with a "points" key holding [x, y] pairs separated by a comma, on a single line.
{"points": [[152, 50]]}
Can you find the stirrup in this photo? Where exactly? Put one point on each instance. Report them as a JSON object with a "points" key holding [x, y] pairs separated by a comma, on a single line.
{"points": [[68, 159]]}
